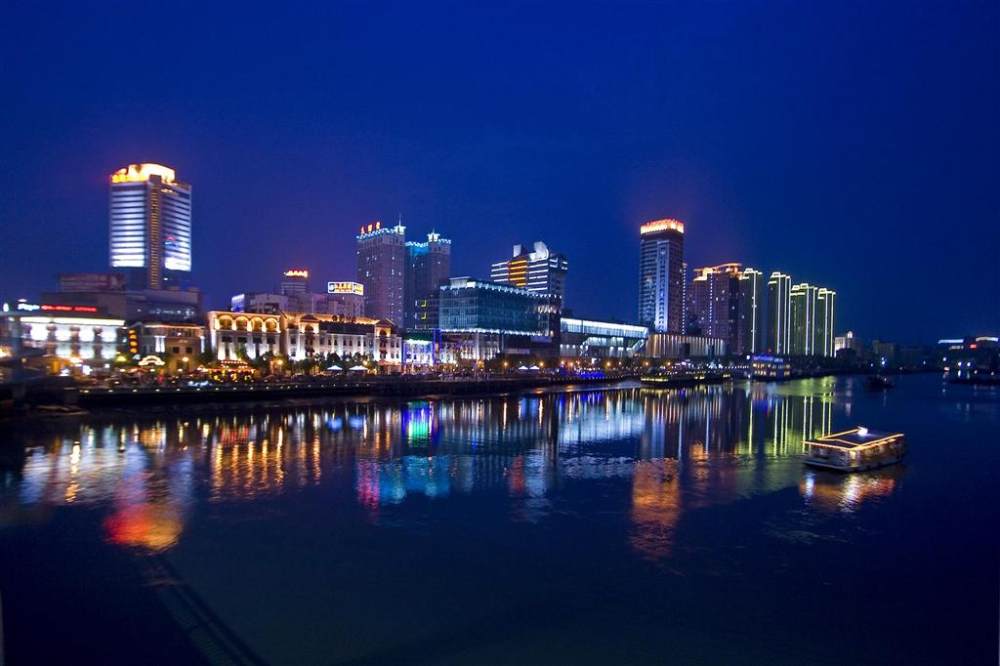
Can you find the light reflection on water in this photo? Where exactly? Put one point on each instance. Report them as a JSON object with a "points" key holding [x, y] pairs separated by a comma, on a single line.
{"points": [[680, 450]]}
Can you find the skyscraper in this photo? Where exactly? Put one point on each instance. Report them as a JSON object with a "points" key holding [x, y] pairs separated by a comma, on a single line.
{"points": [[661, 275], [382, 270], [825, 306], [539, 270], [778, 313], [726, 303], [428, 266], [150, 226], [803, 319]]}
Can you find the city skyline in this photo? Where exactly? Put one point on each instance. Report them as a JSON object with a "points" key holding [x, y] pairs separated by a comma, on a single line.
{"points": [[866, 164]]}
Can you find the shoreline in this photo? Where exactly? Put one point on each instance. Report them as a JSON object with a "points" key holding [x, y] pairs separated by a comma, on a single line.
{"points": [[72, 401]]}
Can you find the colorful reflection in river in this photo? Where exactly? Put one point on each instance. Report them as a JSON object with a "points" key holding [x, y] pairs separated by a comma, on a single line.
{"points": [[678, 451]]}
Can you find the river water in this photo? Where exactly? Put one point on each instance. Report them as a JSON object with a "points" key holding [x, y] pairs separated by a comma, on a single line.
{"points": [[605, 526]]}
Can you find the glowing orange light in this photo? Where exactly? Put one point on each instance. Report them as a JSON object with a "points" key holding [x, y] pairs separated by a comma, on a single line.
{"points": [[667, 224], [297, 273], [140, 173]]}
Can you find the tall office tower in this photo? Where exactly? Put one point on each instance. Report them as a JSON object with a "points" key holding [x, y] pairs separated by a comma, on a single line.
{"points": [[661, 275], [294, 281], [539, 270], [778, 313], [750, 331], [825, 305], [428, 266], [726, 303], [150, 226], [803, 319], [382, 270]]}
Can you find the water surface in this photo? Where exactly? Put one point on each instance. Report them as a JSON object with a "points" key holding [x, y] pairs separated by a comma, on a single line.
{"points": [[598, 526]]}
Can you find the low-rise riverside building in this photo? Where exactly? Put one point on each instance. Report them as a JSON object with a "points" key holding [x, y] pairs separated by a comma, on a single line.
{"points": [[74, 334], [179, 345], [593, 339], [301, 336]]}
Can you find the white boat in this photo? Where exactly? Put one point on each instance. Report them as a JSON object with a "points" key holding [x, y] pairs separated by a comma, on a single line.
{"points": [[855, 450]]}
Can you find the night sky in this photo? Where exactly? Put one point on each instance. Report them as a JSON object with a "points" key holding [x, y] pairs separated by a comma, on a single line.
{"points": [[851, 144]]}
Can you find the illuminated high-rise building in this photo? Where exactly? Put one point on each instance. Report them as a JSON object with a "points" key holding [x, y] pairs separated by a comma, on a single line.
{"points": [[382, 270], [661, 275], [726, 302], [779, 313], [150, 226], [802, 300], [825, 307], [750, 332], [428, 266], [539, 270]]}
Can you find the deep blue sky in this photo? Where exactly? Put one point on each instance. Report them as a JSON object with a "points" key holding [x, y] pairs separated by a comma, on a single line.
{"points": [[852, 144]]}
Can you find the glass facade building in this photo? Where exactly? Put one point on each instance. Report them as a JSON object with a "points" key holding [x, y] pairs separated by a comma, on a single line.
{"points": [[150, 226], [587, 338], [474, 306]]}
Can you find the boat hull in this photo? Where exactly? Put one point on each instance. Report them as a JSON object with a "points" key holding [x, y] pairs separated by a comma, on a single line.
{"points": [[860, 467]]}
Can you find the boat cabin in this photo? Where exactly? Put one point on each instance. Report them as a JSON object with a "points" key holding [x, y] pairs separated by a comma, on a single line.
{"points": [[855, 450]]}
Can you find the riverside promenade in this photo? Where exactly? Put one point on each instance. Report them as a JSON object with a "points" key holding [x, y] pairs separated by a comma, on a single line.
{"points": [[395, 386]]}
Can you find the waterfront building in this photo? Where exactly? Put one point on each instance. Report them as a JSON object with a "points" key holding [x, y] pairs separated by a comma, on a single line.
{"points": [[661, 276], [73, 335], [726, 303], [802, 306], [318, 336], [428, 266], [539, 270], [381, 265], [424, 350], [234, 335], [469, 305], [494, 318], [294, 281], [150, 226], [779, 313], [825, 311], [592, 339], [771, 367], [299, 336], [179, 345], [679, 346]]}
